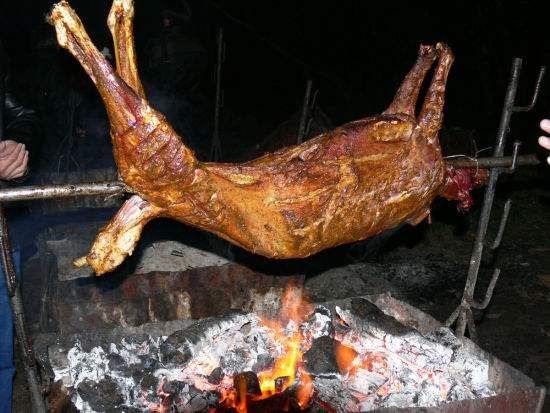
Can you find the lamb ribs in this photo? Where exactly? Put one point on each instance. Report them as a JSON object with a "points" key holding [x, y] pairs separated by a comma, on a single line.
{"points": [[342, 186]]}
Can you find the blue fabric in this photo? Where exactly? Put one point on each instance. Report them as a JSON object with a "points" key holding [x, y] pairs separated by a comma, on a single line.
{"points": [[7, 369]]}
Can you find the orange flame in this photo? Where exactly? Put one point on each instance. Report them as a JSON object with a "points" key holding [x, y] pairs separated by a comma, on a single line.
{"points": [[345, 357], [294, 309]]}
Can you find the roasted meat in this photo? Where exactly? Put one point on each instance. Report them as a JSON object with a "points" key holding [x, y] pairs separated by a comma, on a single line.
{"points": [[342, 186]]}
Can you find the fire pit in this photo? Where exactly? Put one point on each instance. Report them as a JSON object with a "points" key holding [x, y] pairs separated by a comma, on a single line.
{"points": [[358, 354]]}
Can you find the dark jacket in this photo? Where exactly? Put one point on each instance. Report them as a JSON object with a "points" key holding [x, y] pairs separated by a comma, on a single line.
{"points": [[18, 122]]}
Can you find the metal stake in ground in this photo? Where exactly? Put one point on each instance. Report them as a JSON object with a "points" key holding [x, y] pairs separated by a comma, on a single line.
{"points": [[19, 318], [216, 147], [463, 313], [307, 109]]}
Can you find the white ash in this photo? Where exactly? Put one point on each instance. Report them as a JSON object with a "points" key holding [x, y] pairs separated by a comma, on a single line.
{"points": [[400, 368], [93, 366], [318, 325], [417, 370]]}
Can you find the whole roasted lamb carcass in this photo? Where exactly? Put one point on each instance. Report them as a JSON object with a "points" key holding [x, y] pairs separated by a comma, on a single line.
{"points": [[342, 186]]}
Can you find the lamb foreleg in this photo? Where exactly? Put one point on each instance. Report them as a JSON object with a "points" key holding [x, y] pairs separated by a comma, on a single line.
{"points": [[119, 237]]}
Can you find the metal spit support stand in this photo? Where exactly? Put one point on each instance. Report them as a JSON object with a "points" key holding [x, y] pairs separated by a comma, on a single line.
{"points": [[308, 107], [16, 300], [463, 314]]}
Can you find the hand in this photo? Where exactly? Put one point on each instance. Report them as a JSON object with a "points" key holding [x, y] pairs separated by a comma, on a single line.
{"points": [[14, 159], [544, 141]]}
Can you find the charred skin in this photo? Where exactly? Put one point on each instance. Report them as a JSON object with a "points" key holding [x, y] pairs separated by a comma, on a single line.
{"points": [[343, 186]]}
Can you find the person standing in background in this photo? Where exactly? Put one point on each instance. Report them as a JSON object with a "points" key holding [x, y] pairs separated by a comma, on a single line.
{"points": [[19, 131], [544, 141]]}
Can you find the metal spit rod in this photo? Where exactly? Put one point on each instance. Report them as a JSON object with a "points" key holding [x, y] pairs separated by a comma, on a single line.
{"points": [[110, 188], [28, 193]]}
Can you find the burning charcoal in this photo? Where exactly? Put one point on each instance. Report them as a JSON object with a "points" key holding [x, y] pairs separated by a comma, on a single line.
{"points": [[175, 387], [149, 363], [285, 401], [200, 401], [245, 329], [216, 376], [340, 327], [445, 337], [58, 358], [368, 314], [197, 331], [176, 348], [59, 400], [320, 323], [234, 360], [281, 383], [116, 361], [136, 339], [249, 380], [335, 393], [136, 371], [102, 395], [263, 362], [403, 399], [320, 358], [149, 382], [321, 309]]}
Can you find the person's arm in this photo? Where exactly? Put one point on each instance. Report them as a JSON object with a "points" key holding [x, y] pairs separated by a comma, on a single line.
{"points": [[544, 141], [21, 134]]}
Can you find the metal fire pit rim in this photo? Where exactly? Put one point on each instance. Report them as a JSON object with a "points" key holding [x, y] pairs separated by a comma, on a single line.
{"points": [[524, 401]]}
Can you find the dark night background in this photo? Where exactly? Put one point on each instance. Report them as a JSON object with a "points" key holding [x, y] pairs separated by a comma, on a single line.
{"points": [[356, 51]]}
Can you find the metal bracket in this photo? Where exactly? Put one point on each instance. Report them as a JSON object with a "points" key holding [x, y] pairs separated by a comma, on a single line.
{"points": [[536, 92]]}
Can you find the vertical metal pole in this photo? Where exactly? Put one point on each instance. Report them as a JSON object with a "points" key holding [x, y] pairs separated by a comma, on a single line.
{"points": [[215, 150], [305, 112], [477, 252], [16, 301]]}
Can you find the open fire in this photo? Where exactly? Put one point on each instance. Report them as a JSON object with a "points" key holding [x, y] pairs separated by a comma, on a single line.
{"points": [[341, 356], [288, 367]]}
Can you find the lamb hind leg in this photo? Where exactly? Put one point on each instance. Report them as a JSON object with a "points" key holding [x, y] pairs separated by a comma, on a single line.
{"points": [[120, 22], [431, 115], [124, 106], [407, 94], [119, 237]]}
